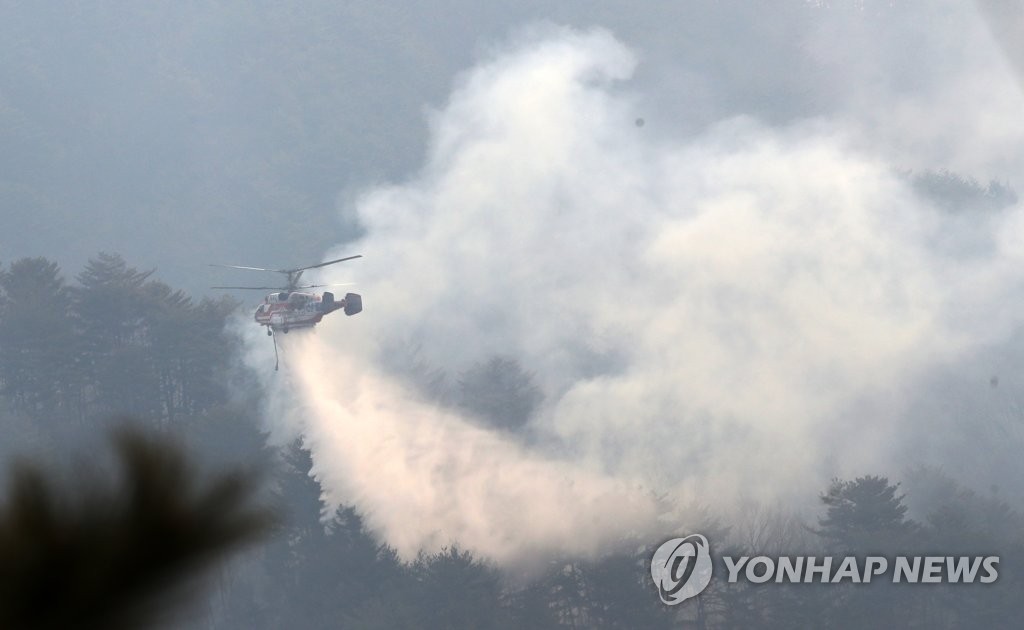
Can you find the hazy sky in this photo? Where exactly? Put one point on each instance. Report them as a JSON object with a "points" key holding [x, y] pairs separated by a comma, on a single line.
{"points": [[180, 134]]}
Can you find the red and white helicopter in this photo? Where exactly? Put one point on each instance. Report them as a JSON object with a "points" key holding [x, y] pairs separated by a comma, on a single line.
{"points": [[289, 308]]}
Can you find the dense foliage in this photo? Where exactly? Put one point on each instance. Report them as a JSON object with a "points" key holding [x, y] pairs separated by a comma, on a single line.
{"points": [[116, 341]]}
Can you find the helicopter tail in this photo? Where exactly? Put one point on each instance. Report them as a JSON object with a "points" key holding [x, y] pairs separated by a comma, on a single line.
{"points": [[353, 303]]}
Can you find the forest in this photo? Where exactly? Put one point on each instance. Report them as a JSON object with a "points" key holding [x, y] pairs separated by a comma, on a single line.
{"points": [[117, 340]]}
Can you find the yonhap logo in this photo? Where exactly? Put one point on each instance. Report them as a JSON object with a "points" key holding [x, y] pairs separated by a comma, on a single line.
{"points": [[681, 568]]}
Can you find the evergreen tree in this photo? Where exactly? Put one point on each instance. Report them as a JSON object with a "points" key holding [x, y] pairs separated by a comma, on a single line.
{"points": [[865, 515], [455, 590], [109, 302], [39, 370], [150, 351]]}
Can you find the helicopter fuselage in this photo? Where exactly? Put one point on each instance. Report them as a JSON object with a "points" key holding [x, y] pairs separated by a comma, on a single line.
{"points": [[288, 310]]}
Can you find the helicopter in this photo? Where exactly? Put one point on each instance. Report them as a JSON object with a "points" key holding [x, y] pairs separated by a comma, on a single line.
{"points": [[289, 307]]}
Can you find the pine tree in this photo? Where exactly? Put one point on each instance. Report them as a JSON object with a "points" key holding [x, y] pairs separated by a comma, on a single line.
{"points": [[37, 340]]}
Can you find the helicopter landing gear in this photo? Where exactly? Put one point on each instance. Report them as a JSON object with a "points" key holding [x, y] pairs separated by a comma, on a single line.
{"points": [[269, 332], [285, 330]]}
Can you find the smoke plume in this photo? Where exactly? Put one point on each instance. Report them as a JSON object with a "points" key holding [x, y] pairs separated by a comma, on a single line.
{"points": [[739, 314]]}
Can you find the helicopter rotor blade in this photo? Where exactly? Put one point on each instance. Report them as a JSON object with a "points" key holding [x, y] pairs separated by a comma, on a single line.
{"points": [[253, 288], [317, 286], [323, 264], [243, 267]]}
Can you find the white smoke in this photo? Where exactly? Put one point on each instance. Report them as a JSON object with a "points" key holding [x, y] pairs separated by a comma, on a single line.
{"points": [[743, 314], [424, 478]]}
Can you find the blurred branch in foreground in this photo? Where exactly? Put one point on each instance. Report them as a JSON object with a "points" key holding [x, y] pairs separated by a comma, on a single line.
{"points": [[90, 554]]}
